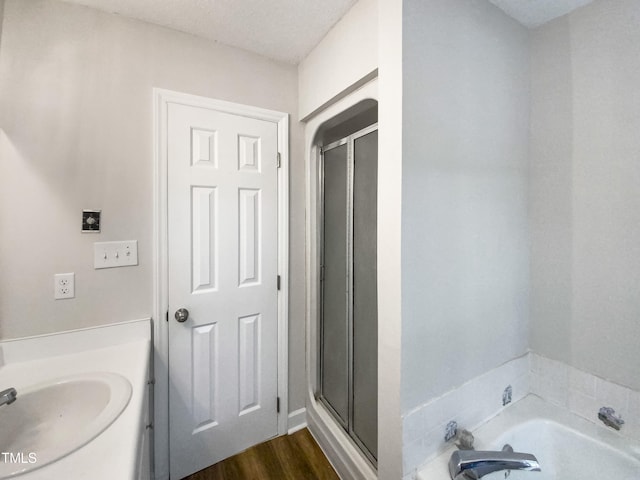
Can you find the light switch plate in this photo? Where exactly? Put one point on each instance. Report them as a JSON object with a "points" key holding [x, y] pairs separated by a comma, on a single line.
{"points": [[115, 254]]}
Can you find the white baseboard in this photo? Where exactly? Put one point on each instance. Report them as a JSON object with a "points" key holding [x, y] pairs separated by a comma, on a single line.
{"points": [[297, 420]]}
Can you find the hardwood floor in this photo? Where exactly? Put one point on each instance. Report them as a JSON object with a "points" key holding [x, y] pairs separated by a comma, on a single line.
{"points": [[290, 457]]}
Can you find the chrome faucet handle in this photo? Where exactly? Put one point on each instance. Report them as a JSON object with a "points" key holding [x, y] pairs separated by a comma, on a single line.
{"points": [[609, 418], [8, 396]]}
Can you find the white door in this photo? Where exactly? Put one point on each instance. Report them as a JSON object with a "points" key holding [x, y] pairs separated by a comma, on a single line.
{"points": [[222, 259]]}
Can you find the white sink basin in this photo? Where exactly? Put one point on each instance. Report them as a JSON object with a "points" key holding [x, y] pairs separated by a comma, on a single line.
{"points": [[51, 420]]}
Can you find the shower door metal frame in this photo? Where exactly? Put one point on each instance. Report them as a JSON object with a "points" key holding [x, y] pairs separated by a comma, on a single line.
{"points": [[348, 425]]}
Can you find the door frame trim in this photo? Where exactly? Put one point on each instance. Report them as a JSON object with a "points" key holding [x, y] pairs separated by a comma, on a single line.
{"points": [[161, 100]]}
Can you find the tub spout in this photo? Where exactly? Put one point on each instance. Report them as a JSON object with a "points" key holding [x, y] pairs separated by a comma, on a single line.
{"points": [[472, 465]]}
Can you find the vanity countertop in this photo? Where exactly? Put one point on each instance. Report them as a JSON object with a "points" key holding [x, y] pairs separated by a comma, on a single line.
{"points": [[120, 348]]}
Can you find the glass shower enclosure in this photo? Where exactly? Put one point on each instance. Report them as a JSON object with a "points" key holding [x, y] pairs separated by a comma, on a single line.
{"points": [[348, 376]]}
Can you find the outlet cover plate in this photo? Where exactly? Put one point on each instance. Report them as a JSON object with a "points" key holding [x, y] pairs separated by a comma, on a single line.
{"points": [[115, 254], [64, 286]]}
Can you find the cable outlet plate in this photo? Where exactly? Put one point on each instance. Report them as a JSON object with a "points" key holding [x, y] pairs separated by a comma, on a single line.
{"points": [[115, 254], [64, 286]]}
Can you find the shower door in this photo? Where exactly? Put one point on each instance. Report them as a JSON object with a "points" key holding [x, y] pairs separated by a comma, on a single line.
{"points": [[348, 374]]}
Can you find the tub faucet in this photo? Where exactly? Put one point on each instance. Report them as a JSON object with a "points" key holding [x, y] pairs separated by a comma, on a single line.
{"points": [[609, 418], [8, 396], [472, 465]]}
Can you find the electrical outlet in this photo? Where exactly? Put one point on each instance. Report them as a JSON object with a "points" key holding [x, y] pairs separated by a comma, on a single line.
{"points": [[64, 286]]}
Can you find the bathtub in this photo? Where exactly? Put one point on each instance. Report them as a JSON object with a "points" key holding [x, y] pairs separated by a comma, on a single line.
{"points": [[568, 447]]}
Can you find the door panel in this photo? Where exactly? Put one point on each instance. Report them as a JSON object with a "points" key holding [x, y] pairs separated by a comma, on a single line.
{"points": [[365, 291], [250, 201], [335, 341], [222, 191], [203, 241], [205, 360]]}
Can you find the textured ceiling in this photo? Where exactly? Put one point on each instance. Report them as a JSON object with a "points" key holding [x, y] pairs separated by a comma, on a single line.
{"points": [[533, 13], [285, 30]]}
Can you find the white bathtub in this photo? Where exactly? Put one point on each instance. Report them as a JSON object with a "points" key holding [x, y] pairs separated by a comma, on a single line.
{"points": [[568, 447]]}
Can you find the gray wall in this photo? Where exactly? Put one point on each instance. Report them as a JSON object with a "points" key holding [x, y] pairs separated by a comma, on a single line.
{"points": [[585, 199], [465, 253], [1, 19], [76, 132]]}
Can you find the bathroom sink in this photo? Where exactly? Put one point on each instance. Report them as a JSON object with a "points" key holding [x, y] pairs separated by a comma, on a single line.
{"points": [[51, 420]]}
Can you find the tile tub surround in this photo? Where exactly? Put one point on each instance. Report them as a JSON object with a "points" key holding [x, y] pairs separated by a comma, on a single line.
{"points": [[121, 348], [480, 399], [583, 393], [469, 406], [534, 426]]}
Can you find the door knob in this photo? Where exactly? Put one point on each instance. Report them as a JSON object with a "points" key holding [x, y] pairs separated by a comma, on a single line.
{"points": [[181, 315]]}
